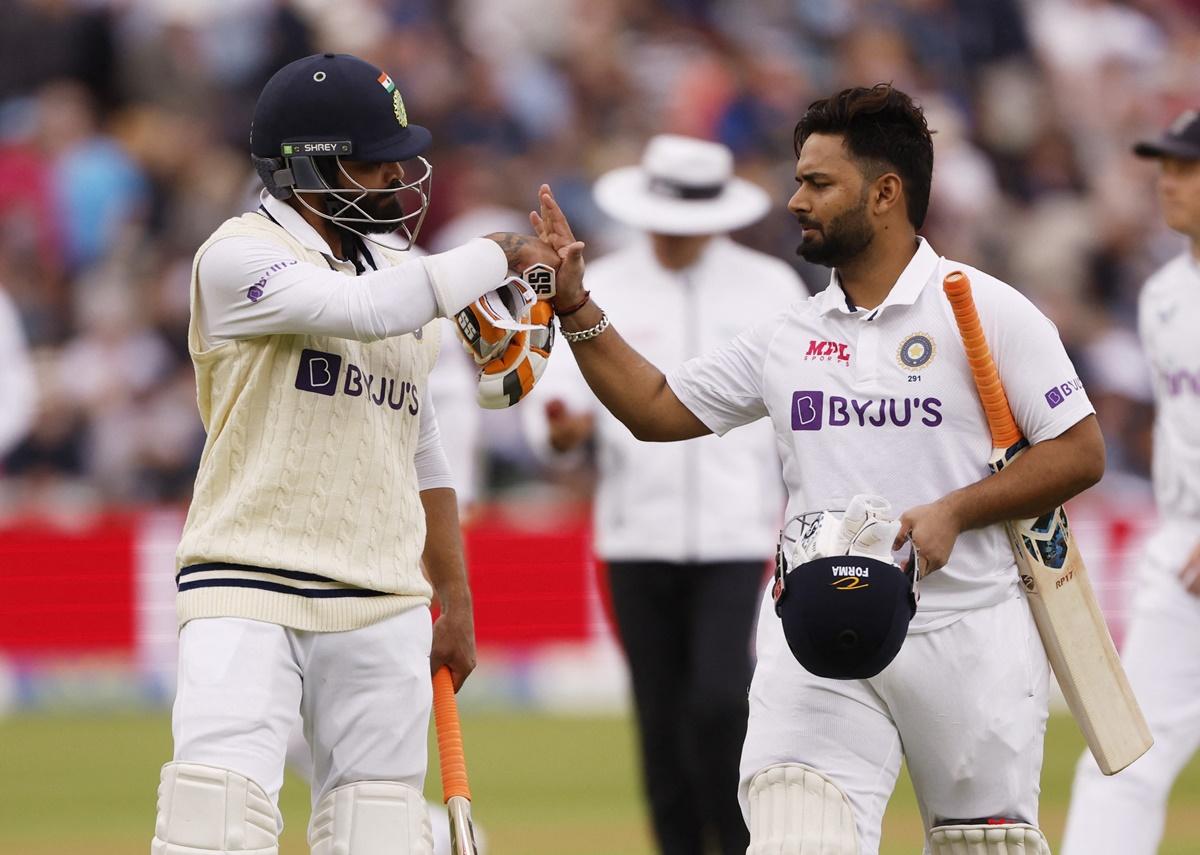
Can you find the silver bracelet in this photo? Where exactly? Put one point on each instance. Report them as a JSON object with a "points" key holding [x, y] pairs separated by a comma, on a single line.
{"points": [[589, 333]]}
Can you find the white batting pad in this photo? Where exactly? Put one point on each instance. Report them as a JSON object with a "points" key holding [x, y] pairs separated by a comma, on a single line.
{"points": [[795, 810], [371, 818], [207, 810], [1015, 839]]}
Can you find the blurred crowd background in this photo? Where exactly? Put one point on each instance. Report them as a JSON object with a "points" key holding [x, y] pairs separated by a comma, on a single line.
{"points": [[124, 128]]}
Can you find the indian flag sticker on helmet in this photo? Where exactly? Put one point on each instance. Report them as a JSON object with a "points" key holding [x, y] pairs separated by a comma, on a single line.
{"points": [[397, 102]]}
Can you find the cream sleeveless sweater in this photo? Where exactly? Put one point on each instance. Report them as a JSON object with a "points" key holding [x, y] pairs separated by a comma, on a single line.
{"points": [[306, 510]]}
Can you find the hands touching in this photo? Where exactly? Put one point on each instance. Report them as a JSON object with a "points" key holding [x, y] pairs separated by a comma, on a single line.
{"points": [[524, 250], [552, 227]]}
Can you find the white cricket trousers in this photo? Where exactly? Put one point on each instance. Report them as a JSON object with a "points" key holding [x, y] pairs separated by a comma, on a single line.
{"points": [[965, 705], [1125, 814], [364, 695]]}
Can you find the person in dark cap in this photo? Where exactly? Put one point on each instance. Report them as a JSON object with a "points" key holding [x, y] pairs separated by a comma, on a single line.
{"points": [[1125, 814], [868, 388], [323, 488]]}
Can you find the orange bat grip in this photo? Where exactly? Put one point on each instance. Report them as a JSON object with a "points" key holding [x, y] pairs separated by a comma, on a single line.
{"points": [[1000, 420], [449, 737]]}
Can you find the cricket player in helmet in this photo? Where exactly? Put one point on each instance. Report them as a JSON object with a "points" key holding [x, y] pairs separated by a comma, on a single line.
{"points": [[323, 489]]}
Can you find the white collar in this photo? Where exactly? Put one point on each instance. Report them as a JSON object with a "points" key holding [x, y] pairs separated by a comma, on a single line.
{"points": [[917, 273], [295, 225]]}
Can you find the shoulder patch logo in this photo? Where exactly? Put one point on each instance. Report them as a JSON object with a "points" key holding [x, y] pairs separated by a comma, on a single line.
{"points": [[916, 351]]}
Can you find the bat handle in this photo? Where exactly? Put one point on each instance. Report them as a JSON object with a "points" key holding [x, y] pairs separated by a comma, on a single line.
{"points": [[449, 738], [1001, 424]]}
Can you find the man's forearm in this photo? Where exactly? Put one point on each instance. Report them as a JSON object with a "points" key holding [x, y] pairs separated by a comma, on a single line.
{"points": [[443, 553], [628, 385], [1043, 477]]}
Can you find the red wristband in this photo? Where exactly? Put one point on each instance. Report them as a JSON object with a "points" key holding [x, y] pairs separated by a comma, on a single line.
{"points": [[562, 313]]}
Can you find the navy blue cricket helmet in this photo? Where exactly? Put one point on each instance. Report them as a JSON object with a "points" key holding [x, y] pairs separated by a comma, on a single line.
{"points": [[316, 111], [844, 616]]}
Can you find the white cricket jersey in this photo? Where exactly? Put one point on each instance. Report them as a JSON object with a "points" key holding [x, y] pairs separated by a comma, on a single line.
{"points": [[882, 401], [1168, 323]]}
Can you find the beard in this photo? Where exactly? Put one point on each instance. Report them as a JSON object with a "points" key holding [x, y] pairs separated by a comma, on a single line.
{"points": [[385, 208], [845, 238], [381, 206]]}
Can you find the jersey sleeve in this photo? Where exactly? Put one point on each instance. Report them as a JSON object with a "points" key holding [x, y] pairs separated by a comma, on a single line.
{"points": [[429, 461], [251, 287], [724, 388], [1043, 387]]}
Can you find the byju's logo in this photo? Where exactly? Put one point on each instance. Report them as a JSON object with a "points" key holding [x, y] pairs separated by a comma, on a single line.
{"points": [[256, 291], [812, 410], [1057, 394], [322, 372], [807, 408], [318, 372]]}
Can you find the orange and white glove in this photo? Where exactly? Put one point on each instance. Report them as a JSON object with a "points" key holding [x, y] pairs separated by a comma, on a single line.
{"points": [[509, 332]]}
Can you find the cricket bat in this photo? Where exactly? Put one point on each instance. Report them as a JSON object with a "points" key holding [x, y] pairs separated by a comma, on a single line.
{"points": [[456, 793], [1060, 595]]}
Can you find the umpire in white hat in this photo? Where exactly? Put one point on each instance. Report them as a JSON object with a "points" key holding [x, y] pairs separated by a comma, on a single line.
{"points": [[685, 530]]}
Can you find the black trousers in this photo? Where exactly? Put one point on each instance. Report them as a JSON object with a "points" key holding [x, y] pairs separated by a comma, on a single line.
{"points": [[686, 632]]}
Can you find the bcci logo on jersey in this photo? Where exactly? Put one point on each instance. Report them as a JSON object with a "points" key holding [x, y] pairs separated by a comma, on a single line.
{"points": [[321, 373], [812, 410]]}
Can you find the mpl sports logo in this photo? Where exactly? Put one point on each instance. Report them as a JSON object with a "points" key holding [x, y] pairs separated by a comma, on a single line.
{"points": [[828, 351], [321, 373], [1057, 394], [813, 410]]}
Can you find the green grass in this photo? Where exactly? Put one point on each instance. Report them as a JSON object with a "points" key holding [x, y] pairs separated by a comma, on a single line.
{"points": [[542, 785]]}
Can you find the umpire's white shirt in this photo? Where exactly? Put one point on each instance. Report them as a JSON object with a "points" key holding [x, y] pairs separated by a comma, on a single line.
{"points": [[882, 401], [1168, 322], [707, 499]]}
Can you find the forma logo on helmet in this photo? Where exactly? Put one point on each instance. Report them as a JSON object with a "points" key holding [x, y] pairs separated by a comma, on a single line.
{"points": [[318, 122]]}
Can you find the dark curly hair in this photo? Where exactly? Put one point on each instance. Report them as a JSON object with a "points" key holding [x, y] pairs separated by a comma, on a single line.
{"points": [[883, 129]]}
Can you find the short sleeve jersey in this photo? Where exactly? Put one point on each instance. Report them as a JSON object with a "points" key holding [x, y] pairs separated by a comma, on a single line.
{"points": [[1168, 318], [882, 401]]}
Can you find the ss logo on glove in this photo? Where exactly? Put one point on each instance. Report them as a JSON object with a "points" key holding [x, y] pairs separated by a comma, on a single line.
{"points": [[540, 278]]}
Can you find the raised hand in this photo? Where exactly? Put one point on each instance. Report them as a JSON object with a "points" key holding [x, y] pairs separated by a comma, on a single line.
{"points": [[552, 227]]}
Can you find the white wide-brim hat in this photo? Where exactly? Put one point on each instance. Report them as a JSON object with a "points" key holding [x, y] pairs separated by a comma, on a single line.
{"points": [[683, 186]]}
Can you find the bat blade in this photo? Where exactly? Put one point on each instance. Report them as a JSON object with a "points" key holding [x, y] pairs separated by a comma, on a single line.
{"points": [[1059, 592], [455, 790], [1075, 636]]}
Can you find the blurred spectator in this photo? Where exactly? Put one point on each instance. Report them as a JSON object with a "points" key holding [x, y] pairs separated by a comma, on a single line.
{"points": [[97, 188]]}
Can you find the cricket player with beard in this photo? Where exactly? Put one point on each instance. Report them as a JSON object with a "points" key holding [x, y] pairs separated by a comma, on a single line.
{"points": [[322, 488], [1125, 814], [965, 699]]}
